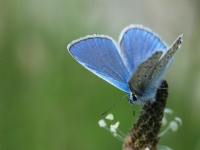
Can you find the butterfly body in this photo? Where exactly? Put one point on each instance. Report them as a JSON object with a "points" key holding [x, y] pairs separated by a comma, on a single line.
{"points": [[135, 65]]}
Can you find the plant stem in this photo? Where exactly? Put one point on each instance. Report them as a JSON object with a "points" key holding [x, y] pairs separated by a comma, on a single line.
{"points": [[144, 133]]}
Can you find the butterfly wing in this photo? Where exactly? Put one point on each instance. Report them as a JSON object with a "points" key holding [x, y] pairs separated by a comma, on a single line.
{"points": [[137, 44], [148, 75], [138, 81], [164, 63], [100, 55]]}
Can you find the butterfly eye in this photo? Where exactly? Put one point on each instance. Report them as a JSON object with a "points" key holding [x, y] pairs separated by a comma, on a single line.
{"points": [[134, 98]]}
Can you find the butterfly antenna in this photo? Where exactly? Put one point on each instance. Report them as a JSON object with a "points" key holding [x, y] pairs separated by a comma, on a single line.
{"points": [[113, 105]]}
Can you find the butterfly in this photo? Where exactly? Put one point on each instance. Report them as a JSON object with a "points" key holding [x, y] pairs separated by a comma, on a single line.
{"points": [[136, 64]]}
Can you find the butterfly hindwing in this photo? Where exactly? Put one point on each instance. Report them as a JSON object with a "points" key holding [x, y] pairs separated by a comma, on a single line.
{"points": [[140, 78]]}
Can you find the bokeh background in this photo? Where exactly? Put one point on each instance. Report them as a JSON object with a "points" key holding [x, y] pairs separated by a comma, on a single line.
{"points": [[50, 102]]}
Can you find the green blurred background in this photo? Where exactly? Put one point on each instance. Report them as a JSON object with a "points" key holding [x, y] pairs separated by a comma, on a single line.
{"points": [[50, 102]]}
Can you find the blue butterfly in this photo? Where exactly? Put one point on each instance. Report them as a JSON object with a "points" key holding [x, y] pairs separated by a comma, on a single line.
{"points": [[135, 65]]}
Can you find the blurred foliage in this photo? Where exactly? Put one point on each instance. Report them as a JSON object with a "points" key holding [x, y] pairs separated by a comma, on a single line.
{"points": [[49, 101]]}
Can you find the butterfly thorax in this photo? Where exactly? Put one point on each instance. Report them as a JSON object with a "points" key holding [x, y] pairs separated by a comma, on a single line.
{"points": [[142, 97]]}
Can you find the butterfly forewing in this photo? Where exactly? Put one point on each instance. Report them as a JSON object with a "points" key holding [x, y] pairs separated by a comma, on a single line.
{"points": [[137, 44], [165, 62], [100, 55]]}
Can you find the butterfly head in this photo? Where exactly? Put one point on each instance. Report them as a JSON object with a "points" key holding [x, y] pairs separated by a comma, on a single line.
{"points": [[133, 99]]}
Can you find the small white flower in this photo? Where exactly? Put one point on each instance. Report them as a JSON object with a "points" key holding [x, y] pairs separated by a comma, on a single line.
{"points": [[173, 126], [178, 120], [110, 117], [102, 123], [114, 127], [164, 121], [147, 148], [168, 111], [115, 134]]}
